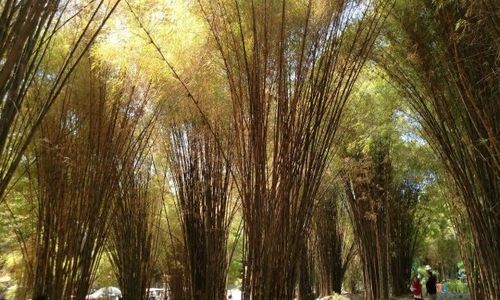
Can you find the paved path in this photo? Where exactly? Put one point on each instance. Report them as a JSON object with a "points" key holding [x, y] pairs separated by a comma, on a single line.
{"points": [[447, 296]]}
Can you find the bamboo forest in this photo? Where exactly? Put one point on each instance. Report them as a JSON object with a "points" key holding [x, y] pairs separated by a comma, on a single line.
{"points": [[249, 149]]}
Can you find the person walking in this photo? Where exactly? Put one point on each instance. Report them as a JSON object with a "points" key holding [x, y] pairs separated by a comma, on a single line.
{"points": [[431, 285], [416, 288]]}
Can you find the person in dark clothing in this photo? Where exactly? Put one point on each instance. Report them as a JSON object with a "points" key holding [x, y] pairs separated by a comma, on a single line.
{"points": [[431, 285]]}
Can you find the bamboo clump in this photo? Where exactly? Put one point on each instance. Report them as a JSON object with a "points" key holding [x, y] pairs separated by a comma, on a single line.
{"points": [[289, 77], [80, 153]]}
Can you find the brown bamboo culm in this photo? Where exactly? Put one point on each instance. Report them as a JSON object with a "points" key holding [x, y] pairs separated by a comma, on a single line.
{"points": [[27, 88], [79, 152], [445, 62], [290, 68], [133, 236], [464, 237], [177, 275], [201, 176], [334, 250], [306, 274], [403, 232], [132, 242], [367, 184]]}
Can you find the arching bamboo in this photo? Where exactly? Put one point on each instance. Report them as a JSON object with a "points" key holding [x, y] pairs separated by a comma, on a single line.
{"points": [[445, 63], [28, 85], [289, 76], [403, 231], [79, 154]]}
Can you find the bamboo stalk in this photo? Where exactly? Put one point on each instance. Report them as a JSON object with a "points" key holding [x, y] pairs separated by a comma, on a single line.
{"points": [[132, 244], [334, 249], [367, 184], [452, 86], [27, 88], [202, 188], [289, 80], [79, 155]]}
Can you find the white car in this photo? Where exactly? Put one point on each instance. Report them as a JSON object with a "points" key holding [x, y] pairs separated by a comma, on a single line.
{"points": [[156, 294], [109, 293]]}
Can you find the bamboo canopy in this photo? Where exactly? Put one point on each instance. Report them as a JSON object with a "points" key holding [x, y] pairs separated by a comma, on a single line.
{"points": [[288, 148], [455, 93]]}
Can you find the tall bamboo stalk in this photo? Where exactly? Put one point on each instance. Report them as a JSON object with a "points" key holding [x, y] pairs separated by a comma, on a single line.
{"points": [[134, 229], [177, 276], [368, 183], [28, 85], [290, 68], [445, 62], [202, 188], [79, 152], [403, 231], [462, 229], [306, 278], [334, 249], [133, 235]]}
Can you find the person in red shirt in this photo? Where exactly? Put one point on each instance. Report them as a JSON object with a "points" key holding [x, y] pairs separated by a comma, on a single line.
{"points": [[416, 288]]}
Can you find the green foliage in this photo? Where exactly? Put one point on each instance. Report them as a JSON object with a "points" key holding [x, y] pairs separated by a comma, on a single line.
{"points": [[236, 264], [353, 278], [457, 286], [17, 225], [377, 113], [378, 118], [438, 246], [105, 275]]}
